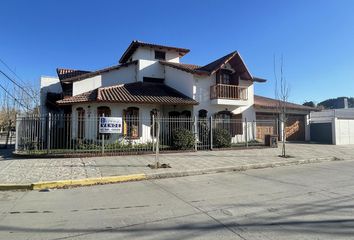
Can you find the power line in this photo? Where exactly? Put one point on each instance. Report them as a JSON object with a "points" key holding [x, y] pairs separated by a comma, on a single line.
{"points": [[20, 103], [13, 72], [8, 67], [14, 82]]}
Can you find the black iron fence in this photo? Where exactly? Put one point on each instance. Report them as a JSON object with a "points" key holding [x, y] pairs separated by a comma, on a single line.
{"points": [[80, 134]]}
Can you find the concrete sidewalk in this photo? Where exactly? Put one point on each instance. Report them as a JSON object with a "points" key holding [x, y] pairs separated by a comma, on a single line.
{"points": [[26, 171]]}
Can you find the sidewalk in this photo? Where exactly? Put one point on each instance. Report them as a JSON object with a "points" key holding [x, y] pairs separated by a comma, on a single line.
{"points": [[27, 171]]}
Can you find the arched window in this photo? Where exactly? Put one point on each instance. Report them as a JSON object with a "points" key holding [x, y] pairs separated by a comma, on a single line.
{"points": [[174, 114], [102, 111], [186, 114], [202, 113], [80, 123], [131, 122]]}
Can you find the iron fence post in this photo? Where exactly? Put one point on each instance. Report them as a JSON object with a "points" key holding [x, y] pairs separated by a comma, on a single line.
{"points": [[157, 143], [48, 133], [211, 133], [102, 135], [195, 134], [246, 132], [153, 132]]}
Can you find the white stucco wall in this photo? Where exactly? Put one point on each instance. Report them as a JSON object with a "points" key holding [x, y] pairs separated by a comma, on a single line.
{"points": [[122, 75], [202, 95], [148, 68], [147, 53], [87, 84], [180, 80], [48, 84]]}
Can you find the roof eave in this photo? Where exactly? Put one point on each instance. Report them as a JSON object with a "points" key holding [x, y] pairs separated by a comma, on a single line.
{"points": [[260, 80], [98, 72], [135, 44]]}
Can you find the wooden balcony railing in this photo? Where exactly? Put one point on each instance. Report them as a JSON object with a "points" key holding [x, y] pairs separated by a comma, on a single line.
{"points": [[228, 92]]}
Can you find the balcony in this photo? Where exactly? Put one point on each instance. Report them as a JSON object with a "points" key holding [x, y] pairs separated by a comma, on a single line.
{"points": [[224, 94]]}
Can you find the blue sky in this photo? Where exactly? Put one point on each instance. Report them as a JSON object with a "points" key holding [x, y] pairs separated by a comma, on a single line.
{"points": [[316, 38]]}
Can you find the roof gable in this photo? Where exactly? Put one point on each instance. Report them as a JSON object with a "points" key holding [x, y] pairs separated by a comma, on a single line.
{"points": [[234, 59], [135, 44]]}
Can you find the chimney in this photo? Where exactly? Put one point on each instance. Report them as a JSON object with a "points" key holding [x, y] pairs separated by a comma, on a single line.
{"points": [[345, 103]]}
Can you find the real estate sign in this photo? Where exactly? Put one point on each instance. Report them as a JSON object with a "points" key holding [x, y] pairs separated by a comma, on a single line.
{"points": [[110, 125]]}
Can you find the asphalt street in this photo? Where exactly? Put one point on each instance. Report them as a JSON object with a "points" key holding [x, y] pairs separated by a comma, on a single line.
{"points": [[314, 201]]}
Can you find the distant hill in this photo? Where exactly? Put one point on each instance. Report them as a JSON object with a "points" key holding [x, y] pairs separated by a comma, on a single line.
{"points": [[336, 103]]}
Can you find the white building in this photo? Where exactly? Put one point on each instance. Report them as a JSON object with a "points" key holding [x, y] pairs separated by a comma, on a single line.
{"points": [[152, 78], [334, 126]]}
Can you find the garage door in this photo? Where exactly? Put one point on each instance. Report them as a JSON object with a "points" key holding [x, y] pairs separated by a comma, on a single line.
{"points": [[295, 128], [344, 131], [266, 124], [321, 132]]}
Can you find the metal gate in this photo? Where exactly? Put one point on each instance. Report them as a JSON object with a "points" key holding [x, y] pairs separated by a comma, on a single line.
{"points": [[321, 132]]}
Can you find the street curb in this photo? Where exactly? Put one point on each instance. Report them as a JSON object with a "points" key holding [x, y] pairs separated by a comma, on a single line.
{"points": [[238, 168], [73, 182], [87, 181], [142, 176], [9, 187]]}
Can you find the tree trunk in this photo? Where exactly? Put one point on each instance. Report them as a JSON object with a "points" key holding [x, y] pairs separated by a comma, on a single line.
{"points": [[8, 134]]}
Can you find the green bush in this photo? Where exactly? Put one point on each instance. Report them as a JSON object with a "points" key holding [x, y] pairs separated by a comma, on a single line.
{"points": [[182, 138], [221, 138]]}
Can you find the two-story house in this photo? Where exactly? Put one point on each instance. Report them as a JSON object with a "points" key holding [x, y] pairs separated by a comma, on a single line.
{"points": [[151, 78]]}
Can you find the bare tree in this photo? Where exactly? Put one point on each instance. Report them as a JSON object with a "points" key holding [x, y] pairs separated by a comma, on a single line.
{"points": [[282, 91]]}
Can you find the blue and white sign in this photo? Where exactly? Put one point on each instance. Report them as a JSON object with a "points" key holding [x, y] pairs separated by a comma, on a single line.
{"points": [[110, 125]]}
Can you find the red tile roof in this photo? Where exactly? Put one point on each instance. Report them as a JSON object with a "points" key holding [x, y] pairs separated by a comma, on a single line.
{"points": [[138, 92], [191, 68], [95, 73], [135, 44], [65, 73], [270, 103], [214, 66]]}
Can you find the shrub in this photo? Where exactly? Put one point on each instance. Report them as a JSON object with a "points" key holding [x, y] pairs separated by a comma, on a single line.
{"points": [[221, 138], [182, 138]]}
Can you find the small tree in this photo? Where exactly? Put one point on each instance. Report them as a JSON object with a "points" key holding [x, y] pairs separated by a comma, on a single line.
{"points": [[282, 91], [309, 104]]}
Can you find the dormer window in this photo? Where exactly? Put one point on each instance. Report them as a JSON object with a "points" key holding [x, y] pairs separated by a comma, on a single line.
{"points": [[160, 55]]}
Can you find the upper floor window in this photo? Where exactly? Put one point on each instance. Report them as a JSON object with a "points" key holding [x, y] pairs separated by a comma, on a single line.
{"points": [[160, 55], [225, 78]]}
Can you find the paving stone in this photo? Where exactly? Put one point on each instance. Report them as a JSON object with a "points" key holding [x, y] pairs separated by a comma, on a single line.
{"points": [[49, 169]]}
